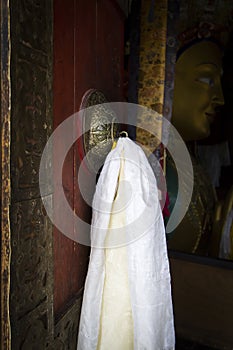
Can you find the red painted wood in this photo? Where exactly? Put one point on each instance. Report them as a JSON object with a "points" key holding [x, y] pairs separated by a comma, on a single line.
{"points": [[85, 48], [110, 50], [63, 89], [88, 53]]}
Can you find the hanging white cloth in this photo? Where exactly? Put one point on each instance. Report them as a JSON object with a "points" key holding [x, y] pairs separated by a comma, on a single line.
{"points": [[127, 302]]}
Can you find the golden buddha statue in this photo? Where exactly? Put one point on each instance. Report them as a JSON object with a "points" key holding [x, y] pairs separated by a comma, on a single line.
{"points": [[197, 95], [197, 30], [198, 90]]}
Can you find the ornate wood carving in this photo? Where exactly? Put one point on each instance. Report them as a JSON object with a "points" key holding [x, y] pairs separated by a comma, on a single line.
{"points": [[31, 305], [31, 272], [66, 329], [31, 93]]}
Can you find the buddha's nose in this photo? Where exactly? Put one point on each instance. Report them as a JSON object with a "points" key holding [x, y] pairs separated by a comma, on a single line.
{"points": [[218, 98]]}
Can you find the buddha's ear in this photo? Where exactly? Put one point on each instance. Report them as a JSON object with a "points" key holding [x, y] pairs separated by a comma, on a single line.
{"points": [[183, 163]]}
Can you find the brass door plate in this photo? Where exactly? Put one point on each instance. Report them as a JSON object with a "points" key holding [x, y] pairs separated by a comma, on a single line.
{"points": [[100, 128]]}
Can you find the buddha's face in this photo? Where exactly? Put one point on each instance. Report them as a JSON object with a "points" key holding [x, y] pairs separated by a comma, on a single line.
{"points": [[197, 91]]}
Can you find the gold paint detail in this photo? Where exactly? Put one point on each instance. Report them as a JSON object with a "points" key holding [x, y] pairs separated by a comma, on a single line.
{"points": [[152, 58], [5, 175], [198, 221]]}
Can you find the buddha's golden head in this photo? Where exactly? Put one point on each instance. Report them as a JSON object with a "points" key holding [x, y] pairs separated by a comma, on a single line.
{"points": [[197, 90]]}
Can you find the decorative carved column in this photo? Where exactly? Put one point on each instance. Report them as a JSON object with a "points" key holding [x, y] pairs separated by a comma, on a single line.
{"points": [[152, 55], [31, 306]]}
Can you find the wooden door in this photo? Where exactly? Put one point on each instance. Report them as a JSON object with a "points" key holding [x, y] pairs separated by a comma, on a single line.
{"points": [[88, 54]]}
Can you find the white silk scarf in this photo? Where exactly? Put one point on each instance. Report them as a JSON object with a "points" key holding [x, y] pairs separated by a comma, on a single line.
{"points": [[127, 302]]}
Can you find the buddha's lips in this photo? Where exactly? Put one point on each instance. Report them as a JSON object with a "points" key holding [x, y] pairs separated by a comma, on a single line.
{"points": [[210, 117]]}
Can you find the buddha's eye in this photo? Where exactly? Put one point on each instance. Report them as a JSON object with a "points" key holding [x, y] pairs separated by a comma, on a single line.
{"points": [[206, 80]]}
